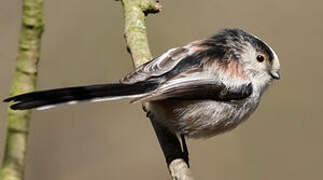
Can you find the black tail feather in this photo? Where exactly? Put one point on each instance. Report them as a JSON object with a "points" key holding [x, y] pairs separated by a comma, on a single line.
{"points": [[81, 93]]}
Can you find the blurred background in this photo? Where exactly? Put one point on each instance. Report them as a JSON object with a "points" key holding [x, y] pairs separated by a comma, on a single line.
{"points": [[83, 44]]}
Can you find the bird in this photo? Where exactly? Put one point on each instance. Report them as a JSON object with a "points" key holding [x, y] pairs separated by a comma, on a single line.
{"points": [[198, 90]]}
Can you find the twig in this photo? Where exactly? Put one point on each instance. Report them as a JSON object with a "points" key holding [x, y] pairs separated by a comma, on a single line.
{"points": [[24, 80], [135, 28], [137, 45]]}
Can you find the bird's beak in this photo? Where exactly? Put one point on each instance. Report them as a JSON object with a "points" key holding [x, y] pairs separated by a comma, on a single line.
{"points": [[275, 74]]}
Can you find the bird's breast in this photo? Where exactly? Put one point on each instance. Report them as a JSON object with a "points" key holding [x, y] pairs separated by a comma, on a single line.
{"points": [[202, 118]]}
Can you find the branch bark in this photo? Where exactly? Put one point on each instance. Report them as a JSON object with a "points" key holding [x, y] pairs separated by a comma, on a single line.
{"points": [[24, 80], [137, 45]]}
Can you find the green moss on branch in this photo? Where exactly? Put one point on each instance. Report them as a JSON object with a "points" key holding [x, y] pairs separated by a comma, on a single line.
{"points": [[135, 29], [24, 80]]}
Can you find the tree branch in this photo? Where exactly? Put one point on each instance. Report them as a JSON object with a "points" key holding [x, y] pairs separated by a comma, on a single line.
{"points": [[24, 80], [135, 29], [137, 45]]}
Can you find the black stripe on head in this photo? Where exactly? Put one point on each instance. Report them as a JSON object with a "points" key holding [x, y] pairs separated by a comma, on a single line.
{"points": [[235, 40], [261, 46]]}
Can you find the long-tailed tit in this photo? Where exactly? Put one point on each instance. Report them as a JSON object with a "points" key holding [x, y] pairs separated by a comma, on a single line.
{"points": [[199, 90]]}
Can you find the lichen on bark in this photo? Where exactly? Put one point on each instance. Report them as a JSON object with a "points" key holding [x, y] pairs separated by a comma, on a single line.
{"points": [[135, 28], [24, 80]]}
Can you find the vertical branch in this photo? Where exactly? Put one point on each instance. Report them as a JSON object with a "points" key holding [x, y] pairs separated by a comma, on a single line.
{"points": [[135, 29], [24, 80], [137, 45]]}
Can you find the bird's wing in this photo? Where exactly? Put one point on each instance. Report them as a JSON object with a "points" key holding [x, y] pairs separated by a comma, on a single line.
{"points": [[199, 88], [159, 66], [199, 70]]}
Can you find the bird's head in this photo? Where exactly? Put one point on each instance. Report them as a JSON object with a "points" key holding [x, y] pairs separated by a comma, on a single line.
{"points": [[256, 57]]}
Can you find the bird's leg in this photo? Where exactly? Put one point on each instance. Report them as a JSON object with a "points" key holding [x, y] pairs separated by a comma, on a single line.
{"points": [[168, 141]]}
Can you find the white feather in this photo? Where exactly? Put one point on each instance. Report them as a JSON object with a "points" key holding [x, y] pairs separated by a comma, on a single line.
{"points": [[90, 100]]}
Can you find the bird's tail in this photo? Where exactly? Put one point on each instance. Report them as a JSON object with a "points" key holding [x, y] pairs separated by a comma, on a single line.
{"points": [[72, 95]]}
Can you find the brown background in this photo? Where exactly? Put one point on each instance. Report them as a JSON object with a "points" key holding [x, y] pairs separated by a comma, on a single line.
{"points": [[83, 44]]}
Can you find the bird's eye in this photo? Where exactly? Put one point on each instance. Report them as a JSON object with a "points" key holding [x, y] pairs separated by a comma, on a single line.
{"points": [[261, 58]]}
